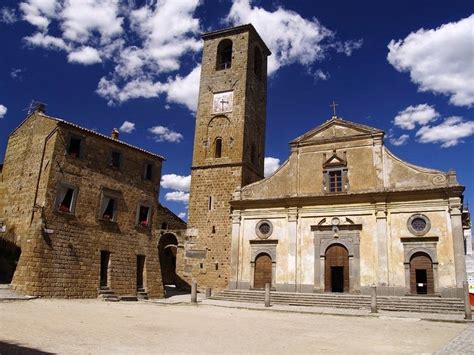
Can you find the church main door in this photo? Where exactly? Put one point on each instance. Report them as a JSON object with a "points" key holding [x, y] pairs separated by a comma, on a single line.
{"points": [[336, 271], [263, 271], [421, 274]]}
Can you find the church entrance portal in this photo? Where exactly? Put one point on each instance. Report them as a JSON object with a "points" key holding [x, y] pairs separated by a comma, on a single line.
{"points": [[9, 256], [167, 248], [421, 274], [263, 271], [336, 273]]}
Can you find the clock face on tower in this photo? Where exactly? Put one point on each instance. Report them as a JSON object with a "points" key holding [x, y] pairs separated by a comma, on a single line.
{"points": [[223, 102]]}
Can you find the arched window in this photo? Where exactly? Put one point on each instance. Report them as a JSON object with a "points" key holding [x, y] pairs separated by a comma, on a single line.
{"points": [[257, 62], [224, 54], [218, 148]]}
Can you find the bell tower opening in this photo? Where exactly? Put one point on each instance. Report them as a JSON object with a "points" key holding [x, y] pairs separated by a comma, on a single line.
{"points": [[229, 141]]}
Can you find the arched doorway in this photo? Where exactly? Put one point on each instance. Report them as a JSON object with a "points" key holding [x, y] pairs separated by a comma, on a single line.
{"points": [[336, 271], [167, 248], [263, 270], [9, 256], [421, 274]]}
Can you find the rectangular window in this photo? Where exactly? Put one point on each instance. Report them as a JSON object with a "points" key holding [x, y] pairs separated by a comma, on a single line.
{"points": [[108, 210], [115, 160], [66, 199], [148, 171], [144, 215], [335, 181], [74, 147]]}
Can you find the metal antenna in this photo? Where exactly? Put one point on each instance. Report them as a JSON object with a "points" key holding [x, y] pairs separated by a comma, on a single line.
{"points": [[35, 106]]}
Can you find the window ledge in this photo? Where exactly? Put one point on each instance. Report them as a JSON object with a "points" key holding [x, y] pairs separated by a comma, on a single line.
{"points": [[107, 220], [64, 213]]}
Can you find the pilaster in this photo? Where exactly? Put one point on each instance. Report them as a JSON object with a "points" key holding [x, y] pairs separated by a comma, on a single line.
{"points": [[381, 235], [234, 253], [292, 246], [455, 211]]}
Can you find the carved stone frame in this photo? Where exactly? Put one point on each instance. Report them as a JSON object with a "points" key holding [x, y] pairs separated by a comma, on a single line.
{"points": [[425, 245], [349, 237], [258, 247]]}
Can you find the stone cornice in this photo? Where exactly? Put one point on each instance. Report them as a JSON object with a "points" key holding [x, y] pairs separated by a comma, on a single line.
{"points": [[330, 199]]}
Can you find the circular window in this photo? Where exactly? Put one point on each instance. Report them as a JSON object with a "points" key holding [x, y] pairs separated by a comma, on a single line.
{"points": [[264, 229], [419, 224]]}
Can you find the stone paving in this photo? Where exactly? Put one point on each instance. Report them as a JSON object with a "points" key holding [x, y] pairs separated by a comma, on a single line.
{"points": [[6, 294], [462, 344]]}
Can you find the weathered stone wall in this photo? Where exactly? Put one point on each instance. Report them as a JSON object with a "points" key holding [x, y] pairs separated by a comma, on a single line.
{"points": [[66, 262], [372, 213]]}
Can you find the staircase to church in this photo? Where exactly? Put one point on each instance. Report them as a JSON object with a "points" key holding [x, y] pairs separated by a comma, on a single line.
{"points": [[351, 301]]}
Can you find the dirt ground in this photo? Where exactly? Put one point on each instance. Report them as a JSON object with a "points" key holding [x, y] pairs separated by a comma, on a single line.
{"points": [[97, 327]]}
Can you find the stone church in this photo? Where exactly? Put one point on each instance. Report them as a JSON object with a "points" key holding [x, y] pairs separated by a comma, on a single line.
{"points": [[343, 213]]}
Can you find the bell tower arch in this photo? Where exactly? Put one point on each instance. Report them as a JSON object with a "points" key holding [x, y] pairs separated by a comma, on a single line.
{"points": [[229, 143]]}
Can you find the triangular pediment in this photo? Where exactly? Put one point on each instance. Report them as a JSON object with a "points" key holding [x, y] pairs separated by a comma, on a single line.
{"points": [[334, 161], [336, 128]]}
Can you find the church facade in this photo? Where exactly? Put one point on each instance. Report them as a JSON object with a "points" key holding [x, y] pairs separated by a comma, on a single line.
{"points": [[340, 215], [343, 213]]}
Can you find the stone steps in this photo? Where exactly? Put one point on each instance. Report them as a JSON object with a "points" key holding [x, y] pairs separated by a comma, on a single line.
{"points": [[406, 303], [106, 294]]}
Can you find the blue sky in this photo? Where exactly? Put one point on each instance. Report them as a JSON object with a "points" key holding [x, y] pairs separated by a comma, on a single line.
{"points": [[406, 67]]}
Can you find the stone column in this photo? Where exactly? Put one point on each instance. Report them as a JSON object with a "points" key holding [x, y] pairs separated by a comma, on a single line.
{"points": [[292, 248], [382, 257], [458, 241], [234, 253]]}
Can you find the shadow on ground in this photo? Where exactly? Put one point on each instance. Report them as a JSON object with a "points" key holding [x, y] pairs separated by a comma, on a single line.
{"points": [[15, 349]]}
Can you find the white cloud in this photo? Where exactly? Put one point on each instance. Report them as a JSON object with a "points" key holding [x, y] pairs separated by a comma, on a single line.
{"points": [[439, 60], [270, 165], [148, 44], [16, 73], [297, 40], [8, 15], [46, 41], [177, 196], [412, 115], [449, 133], [403, 139], [39, 12], [176, 182], [165, 134], [133, 89], [182, 215], [185, 90], [127, 127], [3, 111], [81, 18], [84, 55]]}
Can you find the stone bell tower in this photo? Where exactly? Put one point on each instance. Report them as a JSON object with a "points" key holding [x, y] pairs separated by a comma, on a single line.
{"points": [[229, 146]]}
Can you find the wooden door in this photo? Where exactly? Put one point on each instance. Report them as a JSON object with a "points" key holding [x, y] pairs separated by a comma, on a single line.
{"points": [[336, 271], [421, 274], [263, 271]]}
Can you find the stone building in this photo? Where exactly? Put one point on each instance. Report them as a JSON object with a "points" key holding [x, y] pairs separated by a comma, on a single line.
{"points": [[228, 147], [79, 212], [341, 214], [344, 213]]}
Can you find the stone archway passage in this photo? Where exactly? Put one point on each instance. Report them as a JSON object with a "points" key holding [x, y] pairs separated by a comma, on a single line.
{"points": [[336, 271], [421, 274], [263, 271], [167, 248]]}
